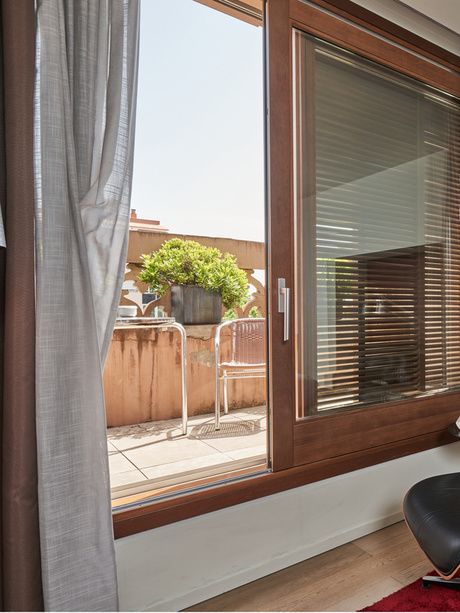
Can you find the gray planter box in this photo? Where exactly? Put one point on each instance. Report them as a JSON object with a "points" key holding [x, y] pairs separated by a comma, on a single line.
{"points": [[193, 305]]}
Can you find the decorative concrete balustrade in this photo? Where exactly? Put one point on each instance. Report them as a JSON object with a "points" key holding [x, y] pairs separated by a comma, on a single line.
{"points": [[250, 256]]}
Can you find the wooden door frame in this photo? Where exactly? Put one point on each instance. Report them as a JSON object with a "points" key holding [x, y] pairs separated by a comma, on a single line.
{"points": [[336, 434], [281, 357]]}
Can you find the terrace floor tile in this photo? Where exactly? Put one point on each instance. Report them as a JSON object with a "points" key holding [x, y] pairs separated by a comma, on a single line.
{"points": [[186, 466], [158, 450]]}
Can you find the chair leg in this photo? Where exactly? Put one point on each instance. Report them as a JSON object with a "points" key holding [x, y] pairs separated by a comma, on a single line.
{"points": [[225, 394], [217, 403], [453, 584]]}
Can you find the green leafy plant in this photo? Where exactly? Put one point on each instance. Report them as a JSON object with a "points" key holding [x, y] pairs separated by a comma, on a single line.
{"points": [[229, 314], [254, 312], [184, 262]]}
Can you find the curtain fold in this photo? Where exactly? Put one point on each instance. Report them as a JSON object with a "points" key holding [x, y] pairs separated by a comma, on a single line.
{"points": [[21, 588], [2, 231], [85, 111]]}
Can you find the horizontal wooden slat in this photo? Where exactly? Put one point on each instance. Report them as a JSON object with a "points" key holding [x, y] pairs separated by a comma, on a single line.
{"points": [[387, 268], [327, 436]]}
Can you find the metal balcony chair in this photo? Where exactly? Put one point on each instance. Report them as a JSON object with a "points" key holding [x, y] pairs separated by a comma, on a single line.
{"points": [[247, 356]]}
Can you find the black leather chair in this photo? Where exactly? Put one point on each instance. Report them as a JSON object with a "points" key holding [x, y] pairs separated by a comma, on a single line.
{"points": [[432, 512]]}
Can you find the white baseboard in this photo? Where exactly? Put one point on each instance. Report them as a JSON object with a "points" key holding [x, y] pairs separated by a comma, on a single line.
{"points": [[179, 602]]}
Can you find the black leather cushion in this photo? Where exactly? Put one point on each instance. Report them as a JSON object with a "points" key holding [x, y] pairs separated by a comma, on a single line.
{"points": [[432, 511]]}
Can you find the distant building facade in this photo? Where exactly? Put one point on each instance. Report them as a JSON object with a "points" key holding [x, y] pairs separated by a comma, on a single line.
{"points": [[148, 225]]}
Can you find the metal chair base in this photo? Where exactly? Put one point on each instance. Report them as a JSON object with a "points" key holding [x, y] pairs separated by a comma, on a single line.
{"points": [[452, 584]]}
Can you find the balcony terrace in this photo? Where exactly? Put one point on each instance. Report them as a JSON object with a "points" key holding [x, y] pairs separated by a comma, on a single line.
{"points": [[147, 449]]}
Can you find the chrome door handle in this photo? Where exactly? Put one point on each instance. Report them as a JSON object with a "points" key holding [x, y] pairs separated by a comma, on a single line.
{"points": [[287, 323], [284, 305]]}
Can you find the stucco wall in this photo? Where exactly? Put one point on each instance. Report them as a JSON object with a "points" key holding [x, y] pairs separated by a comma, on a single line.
{"points": [[143, 369]]}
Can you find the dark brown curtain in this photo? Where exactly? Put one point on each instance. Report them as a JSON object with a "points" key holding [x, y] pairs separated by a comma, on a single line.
{"points": [[21, 588]]}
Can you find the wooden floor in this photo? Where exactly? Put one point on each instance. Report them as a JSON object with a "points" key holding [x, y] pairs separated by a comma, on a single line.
{"points": [[345, 579]]}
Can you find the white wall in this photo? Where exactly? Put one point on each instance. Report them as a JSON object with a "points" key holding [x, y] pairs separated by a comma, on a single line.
{"points": [[176, 566], [445, 12]]}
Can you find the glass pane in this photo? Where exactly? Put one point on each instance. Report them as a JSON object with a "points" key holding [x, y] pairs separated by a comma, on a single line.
{"points": [[377, 230]]}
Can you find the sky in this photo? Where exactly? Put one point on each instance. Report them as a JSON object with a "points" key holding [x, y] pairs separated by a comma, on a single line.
{"points": [[198, 160]]}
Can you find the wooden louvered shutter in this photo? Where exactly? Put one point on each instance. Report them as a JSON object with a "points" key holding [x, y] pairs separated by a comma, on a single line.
{"points": [[385, 270]]}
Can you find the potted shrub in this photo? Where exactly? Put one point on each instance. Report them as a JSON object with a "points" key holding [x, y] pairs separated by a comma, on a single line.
{"points": [[201, 279]]}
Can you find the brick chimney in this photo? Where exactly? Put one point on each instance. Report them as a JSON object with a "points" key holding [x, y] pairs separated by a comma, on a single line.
{"points": [[133, 214]]}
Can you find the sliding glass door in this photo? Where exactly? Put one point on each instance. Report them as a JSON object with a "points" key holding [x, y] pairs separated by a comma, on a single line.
{"points": [[185, 379]]}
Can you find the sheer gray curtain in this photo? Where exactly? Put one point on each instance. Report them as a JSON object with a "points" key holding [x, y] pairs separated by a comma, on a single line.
{"points": [[2, 231], [85, 108]]}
